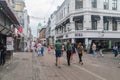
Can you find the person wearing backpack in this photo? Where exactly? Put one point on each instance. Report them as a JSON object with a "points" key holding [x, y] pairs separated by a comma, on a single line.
{"points": [[69, 51], [80, 51], [58, 52]]}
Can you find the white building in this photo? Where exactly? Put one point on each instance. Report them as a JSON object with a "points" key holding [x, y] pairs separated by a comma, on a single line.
{"points": [[89, 20], [23, 17], [50, 29]]}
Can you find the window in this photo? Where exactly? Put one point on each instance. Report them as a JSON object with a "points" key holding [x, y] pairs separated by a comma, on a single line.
{"points": [[68, 8], [78, 4], [106, 24], [94, 3], [114, 25], [64, 12], [78, 25], [94, 25], [64, 28], [106, 4], [114, 4]]}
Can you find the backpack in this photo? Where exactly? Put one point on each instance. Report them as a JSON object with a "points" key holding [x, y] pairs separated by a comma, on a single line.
{"points": [[39, 48]]}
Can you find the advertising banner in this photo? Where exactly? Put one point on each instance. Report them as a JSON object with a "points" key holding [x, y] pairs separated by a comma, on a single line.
{"points": [[9, 44]]}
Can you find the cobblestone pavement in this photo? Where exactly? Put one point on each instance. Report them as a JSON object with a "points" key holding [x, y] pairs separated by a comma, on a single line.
{"points": [[29, 66]]}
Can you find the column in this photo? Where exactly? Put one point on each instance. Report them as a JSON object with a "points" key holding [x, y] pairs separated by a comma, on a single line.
{"points": [[87, 22], [86, 43], [110, 4], [72, 5], [100, 24], [72, 24], [86, 4], [118, 26], [100, 4], [110, 44], [118, 6]]}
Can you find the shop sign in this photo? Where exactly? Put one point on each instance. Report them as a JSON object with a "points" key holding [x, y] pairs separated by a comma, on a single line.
{"points": [[9, 43], [78, 34]]}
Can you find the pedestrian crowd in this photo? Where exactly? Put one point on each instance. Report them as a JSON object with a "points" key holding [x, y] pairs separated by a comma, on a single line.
{"points": [[71, 49]]}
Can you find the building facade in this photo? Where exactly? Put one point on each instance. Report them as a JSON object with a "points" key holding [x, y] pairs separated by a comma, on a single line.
{"points": [[23, 18], [42, 36], [8, 22], [89, 20]]}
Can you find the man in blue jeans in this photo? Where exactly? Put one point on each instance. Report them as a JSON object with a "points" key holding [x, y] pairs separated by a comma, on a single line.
{"points": [[58, 50]]}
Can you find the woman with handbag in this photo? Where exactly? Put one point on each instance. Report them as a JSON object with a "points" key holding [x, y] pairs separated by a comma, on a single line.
{"points": [[80, 51]]}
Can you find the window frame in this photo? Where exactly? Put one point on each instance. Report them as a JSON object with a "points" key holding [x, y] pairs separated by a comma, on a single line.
{"points": [[94, 3], [78, 4], [106, 3], [114, 4]]}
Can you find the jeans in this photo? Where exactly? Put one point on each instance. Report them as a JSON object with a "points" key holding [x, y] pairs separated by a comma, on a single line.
{"points": [[94, 53], [115, 53]]}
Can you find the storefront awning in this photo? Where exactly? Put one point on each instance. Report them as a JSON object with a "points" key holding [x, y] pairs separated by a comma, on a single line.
{"points": [[78, 18], [116, 19], [7, 11], [107, 18], [95, 17], [66, 22]]}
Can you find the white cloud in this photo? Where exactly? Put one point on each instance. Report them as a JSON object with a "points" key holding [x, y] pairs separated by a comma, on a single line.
{"points": [[40, 8]]}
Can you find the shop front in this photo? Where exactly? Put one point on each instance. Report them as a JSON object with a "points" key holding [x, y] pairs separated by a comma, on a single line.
{"points": [[8, 22]]}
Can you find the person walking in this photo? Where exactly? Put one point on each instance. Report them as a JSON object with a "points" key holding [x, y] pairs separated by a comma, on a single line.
{"points": [[80, 51], [115, 50], [100, 48], [39, 48], [3, 54], [42, 50], [73, 53], [63, 49], [58, 50], [49, 49], [69, 51], [94, 49]]}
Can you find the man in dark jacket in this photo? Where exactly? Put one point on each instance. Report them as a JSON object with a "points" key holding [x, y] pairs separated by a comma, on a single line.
{"points": [[3, 54]]}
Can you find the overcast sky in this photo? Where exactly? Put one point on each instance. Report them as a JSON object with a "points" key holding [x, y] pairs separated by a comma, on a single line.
{"points": [[40, 9]]}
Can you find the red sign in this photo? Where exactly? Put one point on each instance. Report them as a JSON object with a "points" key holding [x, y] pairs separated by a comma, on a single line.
{"points": [[20, 29]]}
